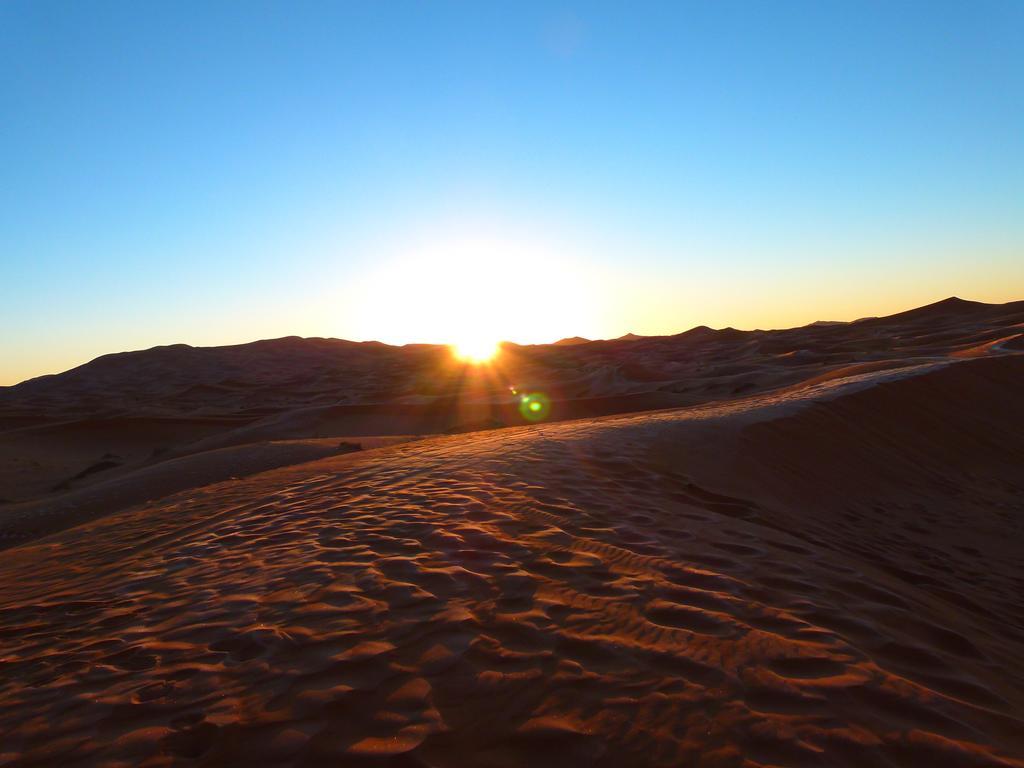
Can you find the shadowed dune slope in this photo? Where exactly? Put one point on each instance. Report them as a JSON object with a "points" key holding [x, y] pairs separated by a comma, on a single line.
{"points": [[823, 576]]}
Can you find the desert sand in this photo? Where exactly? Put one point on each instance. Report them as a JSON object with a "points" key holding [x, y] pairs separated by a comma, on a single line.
{"points": [[723, 548]]}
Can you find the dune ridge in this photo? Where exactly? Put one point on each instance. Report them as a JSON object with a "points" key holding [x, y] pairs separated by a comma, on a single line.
{"points": [[123, 413]]}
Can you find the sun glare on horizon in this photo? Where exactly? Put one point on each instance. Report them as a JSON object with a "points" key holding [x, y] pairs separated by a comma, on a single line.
{"points": [[471, 292], [476, 351]]}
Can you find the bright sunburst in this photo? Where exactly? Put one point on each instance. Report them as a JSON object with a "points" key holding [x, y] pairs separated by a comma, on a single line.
{"points": [[475, 351], [470, 288]]}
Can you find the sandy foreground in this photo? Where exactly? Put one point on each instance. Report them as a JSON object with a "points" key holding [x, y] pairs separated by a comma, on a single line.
{"points": [[826, 575]]}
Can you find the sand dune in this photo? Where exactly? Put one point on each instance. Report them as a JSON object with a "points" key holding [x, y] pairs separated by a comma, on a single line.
{"points": [[32, 519], [129, 411], [826, 572]]}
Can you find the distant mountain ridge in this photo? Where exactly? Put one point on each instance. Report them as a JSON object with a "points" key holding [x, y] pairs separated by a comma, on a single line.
{"points": [[290, 358]]}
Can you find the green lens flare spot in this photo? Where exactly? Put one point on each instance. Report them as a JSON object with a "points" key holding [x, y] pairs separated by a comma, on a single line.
{"points": [[534, 406]]}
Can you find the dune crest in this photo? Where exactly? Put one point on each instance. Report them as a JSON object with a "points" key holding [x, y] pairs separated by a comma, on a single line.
{"points": [[133, 410]]}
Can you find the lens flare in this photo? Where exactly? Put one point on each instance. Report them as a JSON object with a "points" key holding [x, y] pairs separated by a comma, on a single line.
{"points": [[475, 351], [534, 406]]}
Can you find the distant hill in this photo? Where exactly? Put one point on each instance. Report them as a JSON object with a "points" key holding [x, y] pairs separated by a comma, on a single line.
{"points": [[571, 340]]}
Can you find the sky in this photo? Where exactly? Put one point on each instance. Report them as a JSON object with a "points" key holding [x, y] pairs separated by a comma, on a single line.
{"points": [[219, 172]]}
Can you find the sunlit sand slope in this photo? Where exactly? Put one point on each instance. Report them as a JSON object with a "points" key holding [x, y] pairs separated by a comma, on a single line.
{"points": [[828, 576]]}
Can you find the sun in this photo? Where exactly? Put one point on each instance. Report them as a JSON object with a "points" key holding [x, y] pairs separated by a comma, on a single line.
{"points": [[468, 286], [476, 351]]}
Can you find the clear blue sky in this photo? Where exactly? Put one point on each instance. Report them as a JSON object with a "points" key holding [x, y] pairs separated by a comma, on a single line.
{"points": [[219, 172]]}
